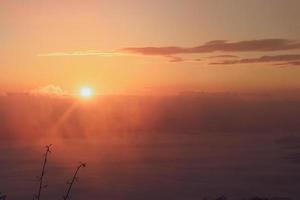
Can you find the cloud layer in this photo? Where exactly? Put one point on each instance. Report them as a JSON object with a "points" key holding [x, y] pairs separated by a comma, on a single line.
{"points": [[81, 53], [262, 45], [48, 90], [292, 59], [176, 54]]}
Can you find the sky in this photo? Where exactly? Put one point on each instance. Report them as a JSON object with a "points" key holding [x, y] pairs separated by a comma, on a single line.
{"points": [[149, 47], [192, 93]]}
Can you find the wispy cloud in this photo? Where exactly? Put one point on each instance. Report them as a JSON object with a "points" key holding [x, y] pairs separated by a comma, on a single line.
{"points": [[224, 56], [289, 59], [290, 63], [175, 59], [51, 90], [262, 45], [176, 54], [296, 63], [83, 53]]}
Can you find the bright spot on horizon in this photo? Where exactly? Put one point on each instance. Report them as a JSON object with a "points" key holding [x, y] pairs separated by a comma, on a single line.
{"points": [[86, 92]]}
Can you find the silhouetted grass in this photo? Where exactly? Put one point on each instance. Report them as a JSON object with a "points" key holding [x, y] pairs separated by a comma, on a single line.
{"points": [[70, 184], [74, 178], [41, 177]]}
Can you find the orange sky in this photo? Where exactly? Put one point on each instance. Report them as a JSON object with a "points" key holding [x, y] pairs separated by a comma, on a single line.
{"points": [[68, 44]]}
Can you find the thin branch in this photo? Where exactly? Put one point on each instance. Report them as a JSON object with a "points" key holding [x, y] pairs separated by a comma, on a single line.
{"points": [[75, 178], [41, 178]]}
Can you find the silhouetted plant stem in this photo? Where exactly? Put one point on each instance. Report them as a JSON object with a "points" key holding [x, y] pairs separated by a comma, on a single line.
{"points": [[41, 178], [75, 178]]}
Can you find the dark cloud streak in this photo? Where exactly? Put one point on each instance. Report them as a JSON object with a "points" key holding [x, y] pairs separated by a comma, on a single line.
{"points": [[289, 59], [224, 56], [262, 45]]}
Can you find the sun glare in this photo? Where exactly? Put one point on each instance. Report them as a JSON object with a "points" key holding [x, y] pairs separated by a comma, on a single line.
{"points": [[86, 92]]}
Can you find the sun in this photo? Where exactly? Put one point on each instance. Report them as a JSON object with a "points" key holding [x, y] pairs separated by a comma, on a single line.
{"points": [[86, 92]]}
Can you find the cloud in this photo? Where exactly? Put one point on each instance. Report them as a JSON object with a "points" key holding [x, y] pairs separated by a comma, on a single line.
{"points": [[224, 56], [262, 45], [285, 64], [175, 54], [295, 63], [289, 59], [51, 90], [175, 59], [82, 53]]}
